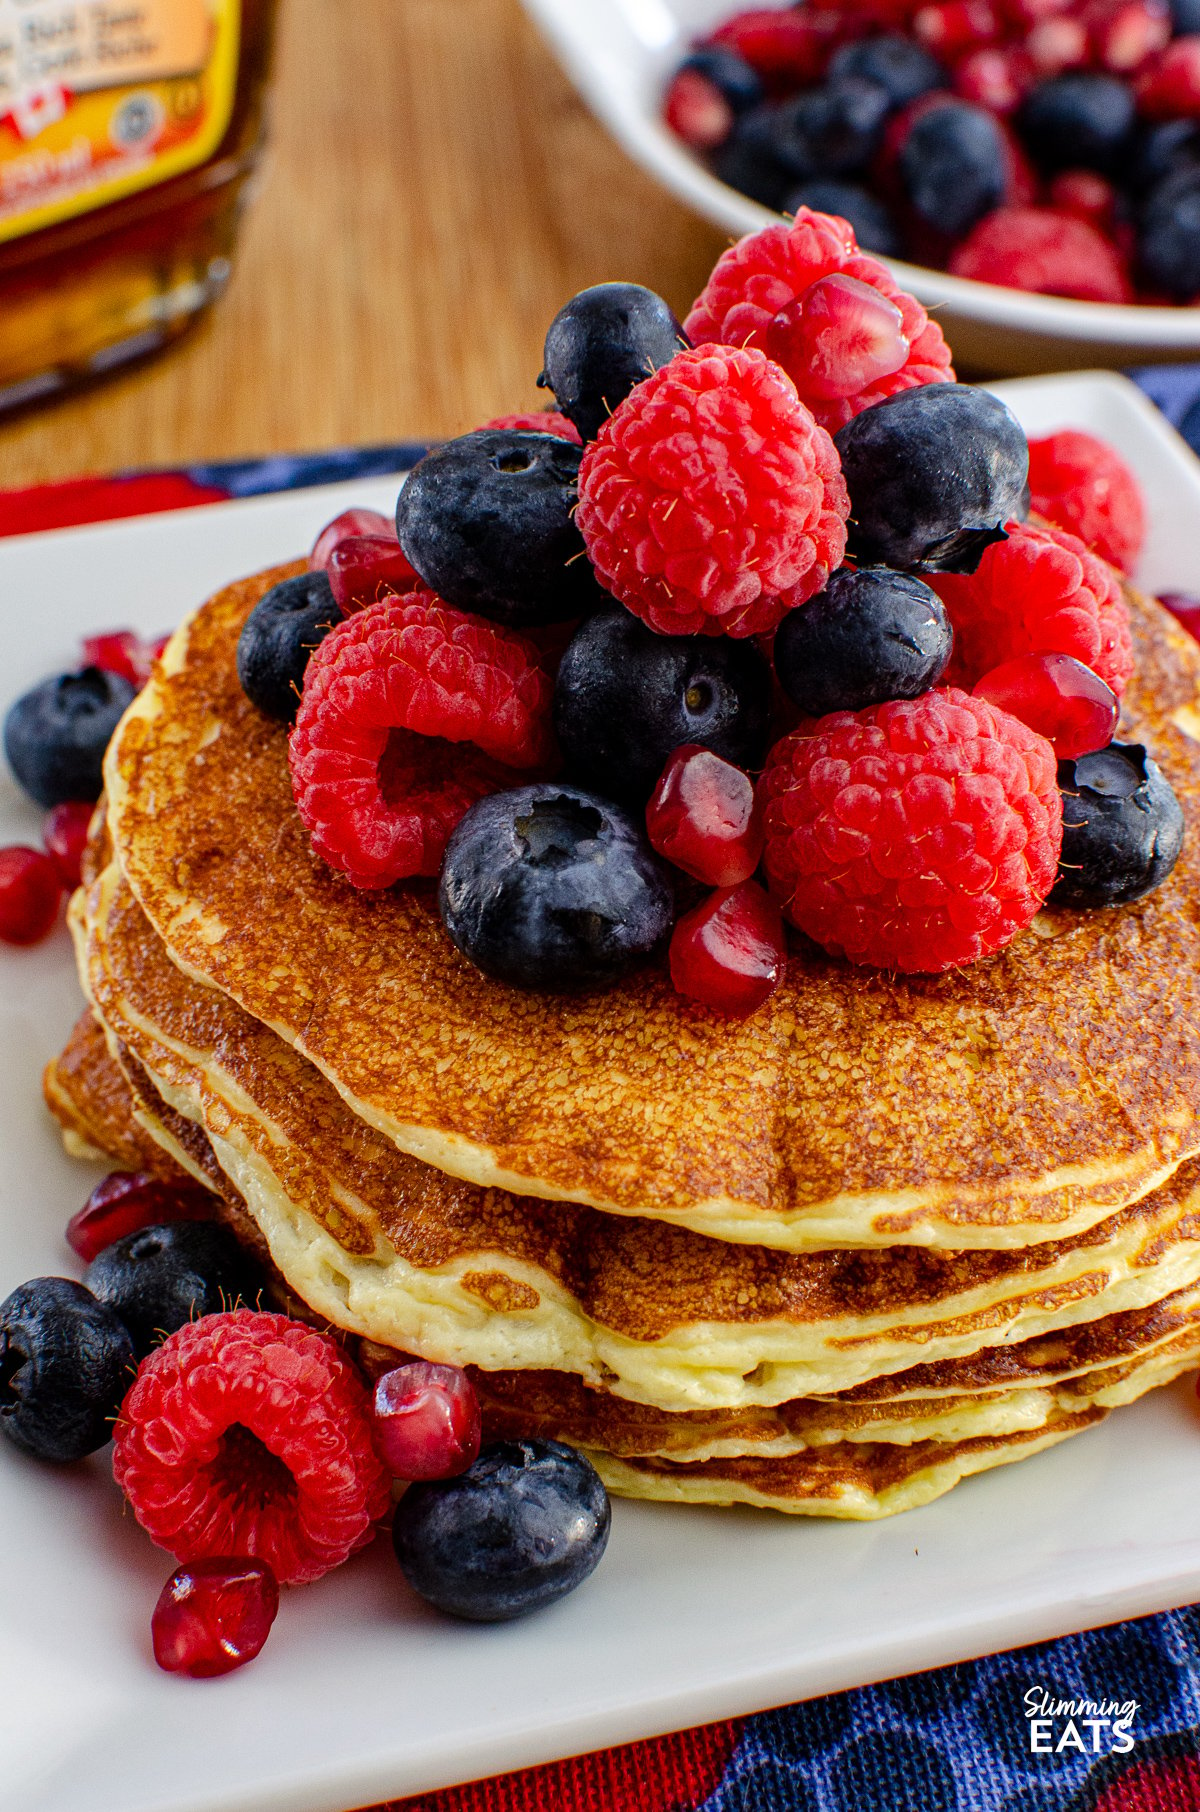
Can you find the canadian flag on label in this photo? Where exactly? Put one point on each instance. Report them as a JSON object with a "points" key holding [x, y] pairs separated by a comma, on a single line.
{"points": [[51, 49]]}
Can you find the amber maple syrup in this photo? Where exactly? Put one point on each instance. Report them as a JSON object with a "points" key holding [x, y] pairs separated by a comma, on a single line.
{"points": [[128, 131]]}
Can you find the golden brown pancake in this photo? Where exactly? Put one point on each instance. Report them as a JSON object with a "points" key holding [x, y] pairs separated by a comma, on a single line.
{"points": [[397, 1252], [1024, 1099], [93, 1103]]}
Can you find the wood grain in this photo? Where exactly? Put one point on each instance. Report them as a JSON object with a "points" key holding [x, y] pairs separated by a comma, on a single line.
{"points": [[434, 190]]}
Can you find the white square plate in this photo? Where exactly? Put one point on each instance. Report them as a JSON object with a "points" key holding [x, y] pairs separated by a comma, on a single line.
{"points": [[362, 1694]]}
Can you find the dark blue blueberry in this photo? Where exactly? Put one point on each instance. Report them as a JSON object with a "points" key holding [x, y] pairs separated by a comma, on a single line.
{"points": [[904, 70], [278, 638], [730, 74], [748, 161], [66, 1361], [1185, 17], [1164, 149], [1122, 827], [551, 887], [896, 1768], [953, 167], [524, 1525], [873, 225], [870, 636], [489, 523], [603, 342], [625, 697], [830, 131], [56, 735], [933, 474], [1169, 236], [1078, 121], [161, 1277]]}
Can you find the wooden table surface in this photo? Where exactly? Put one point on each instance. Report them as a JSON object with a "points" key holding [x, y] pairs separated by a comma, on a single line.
{"points": [[433, 191]]}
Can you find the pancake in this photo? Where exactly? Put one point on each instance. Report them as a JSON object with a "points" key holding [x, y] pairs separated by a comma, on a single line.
{"points": [[394, 1251], [94, 1105], [1025, 1099]]}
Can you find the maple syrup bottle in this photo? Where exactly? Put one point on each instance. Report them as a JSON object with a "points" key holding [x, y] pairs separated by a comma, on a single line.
{"points": [[128, 130]]}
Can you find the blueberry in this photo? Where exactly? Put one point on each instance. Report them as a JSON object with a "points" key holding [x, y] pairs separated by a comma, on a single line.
{"points": [[1078, 121], [904, 70], [870, 636], [278, 638], [66, 1361], [1185, 17], [748, 161], [831, 131], [603, 342], [933, 474], [551, 887], [1122, 827], [953, 167], [161, 1277], [523, 1526], [56, 735], [488, 522], [730, 74], [625, 697], [873, 225], [1169, 235], [1164, 149]]}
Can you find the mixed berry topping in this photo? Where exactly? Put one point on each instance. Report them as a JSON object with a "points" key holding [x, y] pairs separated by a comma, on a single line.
{"points": [[128, 1201], [160, 1277], [603, 343], [278, 640], [525, 1524], [1122, 827], [249, 1434], [703, 817], [968, 134], [214, 1615], [427, 1420], [728, 953], [1083, 485]]}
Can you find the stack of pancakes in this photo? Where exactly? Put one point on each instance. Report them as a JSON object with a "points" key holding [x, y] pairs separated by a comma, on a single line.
{"points": [[885, 1233]]}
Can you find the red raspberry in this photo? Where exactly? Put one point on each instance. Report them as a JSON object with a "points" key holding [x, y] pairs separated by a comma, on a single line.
{"points": [[249, 1434], [787, 49], [1043, 251], [710, 501], [765, 273], [998, 79], [1082, 485], [1086, 195], [1170, 87], [917, 835], [954, 27], [549, 421], [1058, 44], [377, 780], [1040, 592]]}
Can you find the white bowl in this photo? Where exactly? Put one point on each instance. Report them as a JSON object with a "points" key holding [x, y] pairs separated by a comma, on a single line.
{"points": [[620, 54]]}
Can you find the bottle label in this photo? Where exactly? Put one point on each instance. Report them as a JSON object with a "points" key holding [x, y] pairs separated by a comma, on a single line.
{"points": [[100, 98]]}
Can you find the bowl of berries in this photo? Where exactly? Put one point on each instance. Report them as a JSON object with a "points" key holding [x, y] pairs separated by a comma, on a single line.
{"points": [[1029, 168]]}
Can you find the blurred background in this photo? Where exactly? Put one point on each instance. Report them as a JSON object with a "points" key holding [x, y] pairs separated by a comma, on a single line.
{"points": [[433, 189]]}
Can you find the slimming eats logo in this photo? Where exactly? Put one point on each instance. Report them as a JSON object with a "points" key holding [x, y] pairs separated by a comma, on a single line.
{"points": [[1090, 1726]]}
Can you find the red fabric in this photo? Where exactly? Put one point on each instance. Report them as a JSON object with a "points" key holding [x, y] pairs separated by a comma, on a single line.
{"points": [[76, 500]]}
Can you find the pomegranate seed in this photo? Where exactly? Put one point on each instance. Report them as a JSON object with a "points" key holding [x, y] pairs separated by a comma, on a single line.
{"points": [[1086, 195], [1057, 44], [1185, 608], [65, 835], [1170, 88], [128, 1200], [841, 333], [363, 568], [122, 651], [427, 1421], [213, 1615], [350, 522], [703, 817], [995, 79], [30, 889], [957, 26], [786, 49], [1125, 33], [729, 952], [1057, 696], [1031, 12], [697, 111]]}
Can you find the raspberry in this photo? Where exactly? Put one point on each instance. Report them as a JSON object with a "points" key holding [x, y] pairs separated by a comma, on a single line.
{"points": [[377, 780], [787, 49], [1085, 194], [1058, 44], [1125, 33], [1040, 592], [998, 78], [765, 273], [249, 1434], [1170, 87], [954, 27], [710, 501], [1040, 250], [917, 835], [548, 421], [1082, 485]]}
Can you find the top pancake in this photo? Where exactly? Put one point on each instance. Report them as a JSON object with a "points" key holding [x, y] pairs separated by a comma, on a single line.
{"points": [[1022, 1099]]}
